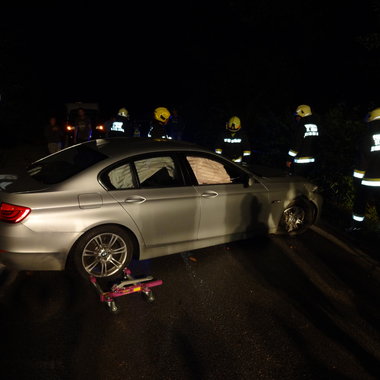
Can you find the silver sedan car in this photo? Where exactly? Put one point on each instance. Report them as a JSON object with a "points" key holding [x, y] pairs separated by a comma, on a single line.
{"points": [[98, 204]]}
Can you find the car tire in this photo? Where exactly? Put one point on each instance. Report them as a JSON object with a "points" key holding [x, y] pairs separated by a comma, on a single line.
{"points": [[103, 252], [296, 218]]}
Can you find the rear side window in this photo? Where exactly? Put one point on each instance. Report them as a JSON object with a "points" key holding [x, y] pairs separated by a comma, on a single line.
{"points": [[65, 164], [157, 172], [143, 173], [121, 178]]}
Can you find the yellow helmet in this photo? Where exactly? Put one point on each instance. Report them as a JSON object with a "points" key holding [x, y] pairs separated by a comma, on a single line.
{"points": [[374, 115], [303, 110], [234, 124], [162, 114], [123, 112]]}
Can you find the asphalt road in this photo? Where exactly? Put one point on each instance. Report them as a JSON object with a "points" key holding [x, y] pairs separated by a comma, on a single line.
{"points": [[269, 308]]}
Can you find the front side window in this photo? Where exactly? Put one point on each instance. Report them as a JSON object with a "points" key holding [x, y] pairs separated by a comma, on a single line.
{"points": [[210, 171], [207, 171]]}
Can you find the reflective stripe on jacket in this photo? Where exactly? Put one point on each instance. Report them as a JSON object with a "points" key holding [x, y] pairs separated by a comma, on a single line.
{"points": [[304, 149], [367, 167]]}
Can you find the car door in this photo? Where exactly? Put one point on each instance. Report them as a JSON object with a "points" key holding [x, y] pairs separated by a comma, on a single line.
{"points": [[232, 202], [151, 190]]}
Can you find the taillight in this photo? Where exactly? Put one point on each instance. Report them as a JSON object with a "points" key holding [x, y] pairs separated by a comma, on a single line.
{"points": [[100, 127], [12, 213]]}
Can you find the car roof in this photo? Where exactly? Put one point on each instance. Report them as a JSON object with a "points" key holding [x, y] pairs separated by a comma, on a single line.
{"points": [[119, 146]]}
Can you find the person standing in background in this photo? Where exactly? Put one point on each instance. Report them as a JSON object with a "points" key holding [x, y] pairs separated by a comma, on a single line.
{"points": [[83, 128], [234, 143], [53, 135], [161, 117], [367, 171], [121, 125]]}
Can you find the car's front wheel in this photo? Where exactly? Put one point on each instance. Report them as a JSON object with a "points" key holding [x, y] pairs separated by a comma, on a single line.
{"points": [[296, 218], [103, 252]]}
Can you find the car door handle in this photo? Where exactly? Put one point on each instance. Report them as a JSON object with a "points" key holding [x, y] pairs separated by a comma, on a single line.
{"points": [[135, 199], [210, 194]]}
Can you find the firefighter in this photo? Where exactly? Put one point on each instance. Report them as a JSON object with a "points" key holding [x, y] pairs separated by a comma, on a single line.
{"points": [[302, 155], [161, 117], [367, 171], [233, 143], [120, 125]]}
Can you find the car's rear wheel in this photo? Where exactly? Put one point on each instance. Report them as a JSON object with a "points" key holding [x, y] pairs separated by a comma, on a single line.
{"points": [[103, 252], [296, 218]]}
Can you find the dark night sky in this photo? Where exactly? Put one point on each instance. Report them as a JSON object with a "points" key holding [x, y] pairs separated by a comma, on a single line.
{"points": [[226, 52]]}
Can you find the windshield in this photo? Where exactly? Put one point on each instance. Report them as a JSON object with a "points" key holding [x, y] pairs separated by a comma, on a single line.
{"points": [[65, 164]]}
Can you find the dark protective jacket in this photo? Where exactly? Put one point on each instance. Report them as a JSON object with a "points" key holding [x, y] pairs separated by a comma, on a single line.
{"points": [[157, 130], [304, 149], [234, 145], [120, 127], [367, 167]]}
